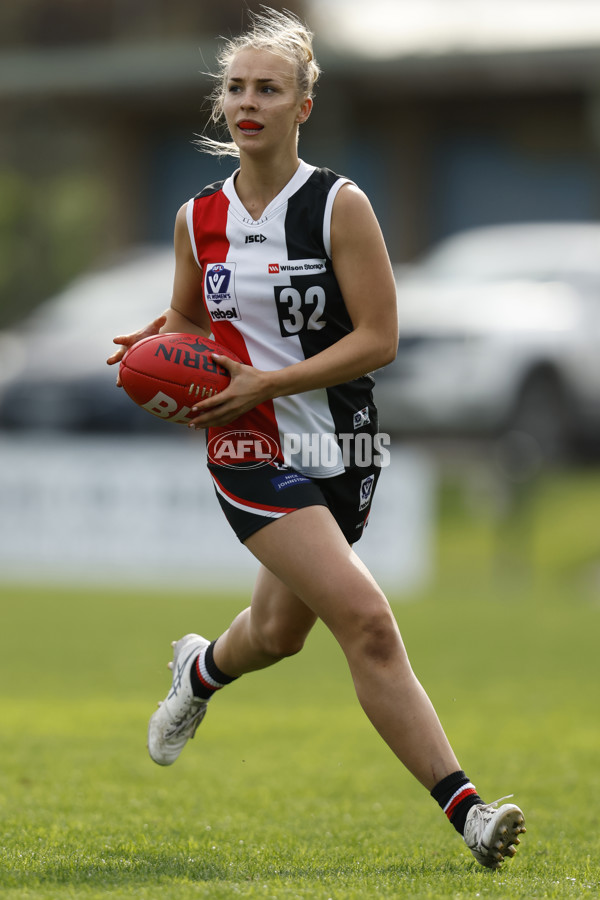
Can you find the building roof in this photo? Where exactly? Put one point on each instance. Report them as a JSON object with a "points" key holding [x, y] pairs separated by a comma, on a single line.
{"points": [[392, 29], [420, 44]]}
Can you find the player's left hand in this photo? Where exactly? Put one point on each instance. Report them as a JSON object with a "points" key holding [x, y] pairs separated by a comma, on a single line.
{"points": [[248, 387], [128, 340]]}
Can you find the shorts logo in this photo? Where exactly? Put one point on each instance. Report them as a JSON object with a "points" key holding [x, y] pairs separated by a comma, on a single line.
{"points": [[219, 292], [281, 482], [273, 268], [361, 418], [366, 491]]}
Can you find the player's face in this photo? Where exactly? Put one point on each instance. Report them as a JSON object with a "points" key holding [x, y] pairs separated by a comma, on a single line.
{"points": [[262, 104]]}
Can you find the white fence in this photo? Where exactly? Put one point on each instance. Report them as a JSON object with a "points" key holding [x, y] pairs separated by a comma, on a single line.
{"points": [[143, 510]]}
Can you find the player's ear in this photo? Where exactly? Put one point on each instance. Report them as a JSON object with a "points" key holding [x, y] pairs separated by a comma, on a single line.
{"points": [[305, 110]]}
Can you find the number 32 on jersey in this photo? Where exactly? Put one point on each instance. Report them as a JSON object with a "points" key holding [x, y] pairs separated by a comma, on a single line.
{"points": [[300, 310]]}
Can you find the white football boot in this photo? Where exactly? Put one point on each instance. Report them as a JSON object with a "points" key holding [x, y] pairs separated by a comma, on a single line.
{"points": [[492, 832], [179, 715]]}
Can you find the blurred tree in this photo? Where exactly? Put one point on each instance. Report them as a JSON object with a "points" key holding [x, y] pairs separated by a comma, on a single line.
{"points": [[50, 230], [54, 22], [71, 170], [15, 264]]}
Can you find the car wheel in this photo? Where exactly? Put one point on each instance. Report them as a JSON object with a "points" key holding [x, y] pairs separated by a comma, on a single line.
{"points": [[542, 412]]}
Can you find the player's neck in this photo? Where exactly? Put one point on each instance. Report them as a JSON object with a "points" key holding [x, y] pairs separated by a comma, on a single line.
{"points": [[258, 182]]}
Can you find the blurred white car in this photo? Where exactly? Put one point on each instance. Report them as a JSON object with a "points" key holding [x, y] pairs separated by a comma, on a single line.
{"points": [[500, 331], [53, 372]]}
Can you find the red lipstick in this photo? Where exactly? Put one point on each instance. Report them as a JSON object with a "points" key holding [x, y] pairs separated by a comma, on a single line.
{"points": [[249, 125]]}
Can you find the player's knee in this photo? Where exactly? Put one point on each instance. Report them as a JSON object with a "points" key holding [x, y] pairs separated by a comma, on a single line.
{"points": [[279, 642], [377, 638]]}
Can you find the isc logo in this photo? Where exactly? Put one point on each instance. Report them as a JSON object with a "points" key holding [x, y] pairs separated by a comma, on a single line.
{"points": [[255, 239]]}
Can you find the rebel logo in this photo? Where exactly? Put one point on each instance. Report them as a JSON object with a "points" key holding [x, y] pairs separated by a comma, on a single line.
{"points": [[219, 292]]}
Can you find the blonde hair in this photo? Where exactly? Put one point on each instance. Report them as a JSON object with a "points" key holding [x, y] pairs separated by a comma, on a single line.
{"points": [[281, 33]]}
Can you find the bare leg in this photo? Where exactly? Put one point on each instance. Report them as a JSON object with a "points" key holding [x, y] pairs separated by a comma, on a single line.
{"points": [[274, 626], [312, 572]]}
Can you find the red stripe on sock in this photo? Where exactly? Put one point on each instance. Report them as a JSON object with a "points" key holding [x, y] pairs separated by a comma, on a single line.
{"points": [[209, 687], [468, 792]]}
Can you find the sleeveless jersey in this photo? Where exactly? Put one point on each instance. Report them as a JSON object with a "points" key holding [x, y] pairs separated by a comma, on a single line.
{"points": [[272, 297]]}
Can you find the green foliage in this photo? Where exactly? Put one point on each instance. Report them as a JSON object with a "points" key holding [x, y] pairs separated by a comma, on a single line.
{"points": [[51, 229], [286, 791]]}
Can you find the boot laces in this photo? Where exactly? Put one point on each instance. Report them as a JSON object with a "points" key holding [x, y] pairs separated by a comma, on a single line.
{"points": [[190, 722]]}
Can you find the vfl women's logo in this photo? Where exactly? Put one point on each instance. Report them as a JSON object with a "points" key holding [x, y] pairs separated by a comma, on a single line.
{"points": [[219, 292], [366, 491], [217, 281]]}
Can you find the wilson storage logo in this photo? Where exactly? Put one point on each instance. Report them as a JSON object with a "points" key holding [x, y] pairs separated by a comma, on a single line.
{"points": [[219, 291], [298, 267]]}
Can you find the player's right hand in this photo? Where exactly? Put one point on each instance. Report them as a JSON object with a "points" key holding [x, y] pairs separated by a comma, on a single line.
{"points": [[128, 340]]}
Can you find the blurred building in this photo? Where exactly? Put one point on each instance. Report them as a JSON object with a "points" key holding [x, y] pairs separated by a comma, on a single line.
{"points": [[100, 102], [473, 112]]}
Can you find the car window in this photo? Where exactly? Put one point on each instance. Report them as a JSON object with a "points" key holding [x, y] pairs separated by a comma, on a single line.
{"points": [[124, 298]]}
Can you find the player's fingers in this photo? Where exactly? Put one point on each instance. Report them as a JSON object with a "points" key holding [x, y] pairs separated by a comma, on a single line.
{"points": [[128, 340], [214, 412], [209, 421], [232, 366], [125, 340], [116, 357], [158, 323], [205, 413]]}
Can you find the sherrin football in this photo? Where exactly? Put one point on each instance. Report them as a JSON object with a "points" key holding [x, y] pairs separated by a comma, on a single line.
{"points": [[166, 374]]}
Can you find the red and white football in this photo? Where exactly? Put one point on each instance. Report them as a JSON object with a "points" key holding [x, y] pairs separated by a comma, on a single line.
{"points": [[166, 374]]}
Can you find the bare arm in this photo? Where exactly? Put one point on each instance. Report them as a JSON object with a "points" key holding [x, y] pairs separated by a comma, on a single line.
{"points": [[186, 313], [364, 273]]}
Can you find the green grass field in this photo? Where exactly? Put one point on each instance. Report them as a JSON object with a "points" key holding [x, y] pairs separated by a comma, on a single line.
{"points": [[287, 792]]}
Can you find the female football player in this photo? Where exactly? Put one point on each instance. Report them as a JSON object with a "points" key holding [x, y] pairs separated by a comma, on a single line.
{"points": [[285, 264]]}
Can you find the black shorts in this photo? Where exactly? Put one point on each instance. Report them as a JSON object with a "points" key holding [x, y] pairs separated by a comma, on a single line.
{"points": [[251, 498]]}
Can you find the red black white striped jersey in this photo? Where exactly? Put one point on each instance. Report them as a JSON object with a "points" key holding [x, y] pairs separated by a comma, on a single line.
{"points": [[273, 298]]}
